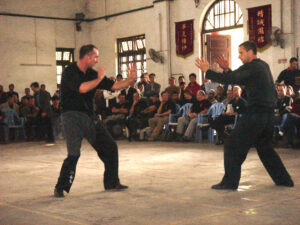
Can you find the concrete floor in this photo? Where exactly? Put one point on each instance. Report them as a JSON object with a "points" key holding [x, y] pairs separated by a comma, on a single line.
{"points": [[169, 184]]}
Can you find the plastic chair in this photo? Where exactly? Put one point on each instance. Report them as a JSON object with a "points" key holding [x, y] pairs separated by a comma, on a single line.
{"points": [[9, 119], [214, 111], [182, 111]]}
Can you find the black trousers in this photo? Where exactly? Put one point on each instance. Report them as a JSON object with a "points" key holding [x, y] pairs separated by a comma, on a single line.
{"points": [[252, 129], [219, 124], [77, 126]]}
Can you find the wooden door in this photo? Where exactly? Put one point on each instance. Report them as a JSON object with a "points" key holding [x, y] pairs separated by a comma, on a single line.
{"points": [[218, 45]]}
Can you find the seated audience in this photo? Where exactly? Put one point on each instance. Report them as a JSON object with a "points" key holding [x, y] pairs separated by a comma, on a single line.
{"points": [[187, 98], [187, 124], [290, 92], [228, 98], [172, 87], [129, 93], [56, 118], [220, 94], [151, 87], [210, 85], [161, 117], [211, 96], [181, 88], [11, 91], [284, 104], [24, 107], [119, 111], [136, 116], [3, 95], [193, 86], [32, 120], [10, 103], [237, 106], [100, 108]]}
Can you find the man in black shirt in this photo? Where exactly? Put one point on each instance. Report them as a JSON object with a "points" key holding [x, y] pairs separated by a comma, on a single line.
{"points": [[291, 75], [236, 106], [256, 126], [79, 84], [161, 117]]}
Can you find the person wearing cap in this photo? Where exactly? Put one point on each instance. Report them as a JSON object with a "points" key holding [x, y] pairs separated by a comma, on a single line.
{"points": [[211, 96]]}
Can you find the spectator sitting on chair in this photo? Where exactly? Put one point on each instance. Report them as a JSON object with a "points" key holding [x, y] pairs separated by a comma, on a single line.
{"points": [[55, 118], [291, 75], [193, 86], [175, 98], [172, 87], [135, 120], [161, 117], [236, 106], [284, 104], [10, 103], [151, 110], [11, 91], [188, 98], [211, 96], [290, 92], [182, 88], [228, 98], [3, 95], [100, 108], [181, 79], [144, 79], [3, 126], [24, 107], [187, 124], [32, 120], [220, 94], [152, 86], [119, 110], [129, 93], [292, 122], [140, 89]]}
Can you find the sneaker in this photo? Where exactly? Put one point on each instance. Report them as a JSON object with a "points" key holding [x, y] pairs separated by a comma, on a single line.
{"points": [[221, 186]]}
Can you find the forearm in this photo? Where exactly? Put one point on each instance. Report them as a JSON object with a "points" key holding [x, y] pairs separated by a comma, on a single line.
{"points": [[121, 84], [89, 85], [166, 113]]}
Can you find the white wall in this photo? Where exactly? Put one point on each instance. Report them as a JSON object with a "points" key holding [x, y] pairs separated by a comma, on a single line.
{"points": [[34, 41], [20, 36]]}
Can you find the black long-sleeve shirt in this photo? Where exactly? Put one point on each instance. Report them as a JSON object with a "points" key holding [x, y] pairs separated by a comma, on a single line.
{"points": [[71, 98], [258, 81]]}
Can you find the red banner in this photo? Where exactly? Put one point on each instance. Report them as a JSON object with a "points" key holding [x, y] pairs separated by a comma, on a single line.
{"points": [[184, 37], [260, 25]]}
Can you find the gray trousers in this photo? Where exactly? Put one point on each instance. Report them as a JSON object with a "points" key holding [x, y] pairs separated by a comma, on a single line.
{"points": [[186, 126], [77, 126]]}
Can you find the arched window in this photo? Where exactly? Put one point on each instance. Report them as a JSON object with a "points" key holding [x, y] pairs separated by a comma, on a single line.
{"points": [[222, 15]]}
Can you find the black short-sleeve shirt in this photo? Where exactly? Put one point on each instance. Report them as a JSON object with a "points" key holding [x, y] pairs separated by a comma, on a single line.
{"points": [[71, 98], [200, 106], [167, 106]]}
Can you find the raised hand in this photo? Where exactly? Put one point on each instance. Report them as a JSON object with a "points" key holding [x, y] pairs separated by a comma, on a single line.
{"points": [[132, 73], [222, 62], [202, 64], [101, 72]]}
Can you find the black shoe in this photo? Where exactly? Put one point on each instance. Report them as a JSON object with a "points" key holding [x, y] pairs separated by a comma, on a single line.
{"points": [[118, 187], [58, 193], [221, 186], [288, 183]]}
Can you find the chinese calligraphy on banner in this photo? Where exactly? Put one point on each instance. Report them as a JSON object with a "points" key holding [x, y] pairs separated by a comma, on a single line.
{"points": [[260, 24], [184, 37]]}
